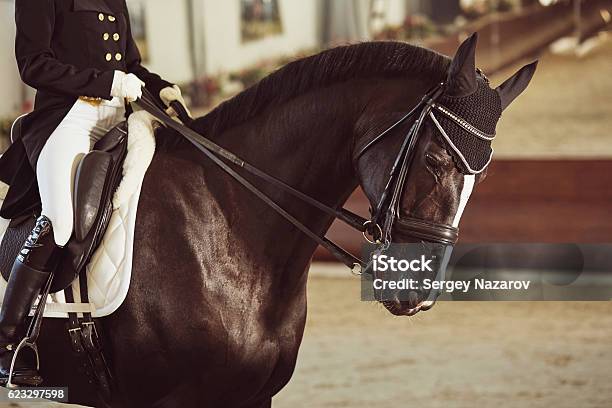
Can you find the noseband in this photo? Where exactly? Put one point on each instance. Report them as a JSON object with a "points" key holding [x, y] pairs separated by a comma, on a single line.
{"points": [[387, 209]]}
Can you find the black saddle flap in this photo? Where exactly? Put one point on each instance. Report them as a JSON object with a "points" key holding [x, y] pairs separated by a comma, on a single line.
{"points": [[97, 178], [88, 199]]}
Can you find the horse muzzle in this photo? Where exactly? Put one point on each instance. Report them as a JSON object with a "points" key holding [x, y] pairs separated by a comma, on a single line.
{"points": [[414, 279], [403, 308]]}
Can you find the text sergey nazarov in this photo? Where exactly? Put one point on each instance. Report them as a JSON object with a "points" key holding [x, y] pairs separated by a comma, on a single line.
{"points": [[384, 263]]}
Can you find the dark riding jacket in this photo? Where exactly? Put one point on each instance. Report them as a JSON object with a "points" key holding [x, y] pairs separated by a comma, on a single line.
{"points": [[65, 49]]}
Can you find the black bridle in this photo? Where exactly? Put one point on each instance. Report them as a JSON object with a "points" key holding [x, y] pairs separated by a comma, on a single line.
{"points": [[387, 209]]}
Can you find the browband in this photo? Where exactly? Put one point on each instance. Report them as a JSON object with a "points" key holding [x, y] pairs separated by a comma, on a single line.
{"points": [[456, 149], [463, 123]]}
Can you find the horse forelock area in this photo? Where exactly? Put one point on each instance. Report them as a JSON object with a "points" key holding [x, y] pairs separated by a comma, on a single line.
{"points": [[358, 61]]}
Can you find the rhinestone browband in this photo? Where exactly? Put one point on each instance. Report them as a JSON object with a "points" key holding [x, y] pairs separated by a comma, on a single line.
{"points": [[463, 123]]}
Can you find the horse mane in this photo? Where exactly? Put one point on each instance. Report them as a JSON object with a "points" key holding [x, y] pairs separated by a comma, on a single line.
{"points": [[363, 60]]}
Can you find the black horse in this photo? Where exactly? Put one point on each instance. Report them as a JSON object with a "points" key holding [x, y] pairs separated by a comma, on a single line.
{"points": [[216, 311]]}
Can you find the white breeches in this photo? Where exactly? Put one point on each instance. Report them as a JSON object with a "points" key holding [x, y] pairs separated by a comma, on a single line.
{"points": [[75, 136]]}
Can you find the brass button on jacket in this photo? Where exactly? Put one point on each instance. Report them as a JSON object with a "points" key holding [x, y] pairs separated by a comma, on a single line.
{"points": [[118, 56], [111, 19], [106, 36], [116, 36], [101, 17], [109, 56]]}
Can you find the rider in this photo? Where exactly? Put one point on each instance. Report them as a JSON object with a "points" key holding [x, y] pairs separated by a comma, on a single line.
{"points": [[81, 58]]}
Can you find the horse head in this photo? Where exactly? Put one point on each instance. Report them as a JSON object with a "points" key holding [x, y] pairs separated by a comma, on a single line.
{"points": [[441, 153]]}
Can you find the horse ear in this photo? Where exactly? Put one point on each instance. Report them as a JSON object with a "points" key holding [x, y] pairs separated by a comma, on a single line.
{"points": [[516, 84], [461, 78]]}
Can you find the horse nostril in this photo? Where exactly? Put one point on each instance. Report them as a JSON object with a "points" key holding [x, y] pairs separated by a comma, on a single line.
{"points": [[413, 299]]}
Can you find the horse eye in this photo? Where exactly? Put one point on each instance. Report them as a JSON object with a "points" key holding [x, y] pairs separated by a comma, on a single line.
{"points": [[432, 160]]}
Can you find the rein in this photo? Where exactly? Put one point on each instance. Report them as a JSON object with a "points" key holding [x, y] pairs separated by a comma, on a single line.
{"points": [[216, 153], [386, 211]]}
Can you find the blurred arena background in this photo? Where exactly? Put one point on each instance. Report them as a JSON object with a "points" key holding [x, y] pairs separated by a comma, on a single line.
{"points": [[549, 183]]}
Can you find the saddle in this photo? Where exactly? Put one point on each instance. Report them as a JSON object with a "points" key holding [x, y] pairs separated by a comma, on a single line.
{"points": [[97, 177]]}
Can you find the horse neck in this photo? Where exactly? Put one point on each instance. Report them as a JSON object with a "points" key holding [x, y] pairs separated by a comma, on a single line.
{"points": [[306, 142]]}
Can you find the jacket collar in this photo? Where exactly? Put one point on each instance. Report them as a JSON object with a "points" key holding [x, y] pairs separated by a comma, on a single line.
{"points": [[92, 5]]}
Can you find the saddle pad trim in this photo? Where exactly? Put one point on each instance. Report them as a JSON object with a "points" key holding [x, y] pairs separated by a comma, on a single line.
{"points": [[67, 308]]}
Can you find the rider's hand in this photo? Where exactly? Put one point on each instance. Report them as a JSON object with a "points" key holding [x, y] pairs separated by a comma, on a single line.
{"points": [[126, 86], [172, 94]]}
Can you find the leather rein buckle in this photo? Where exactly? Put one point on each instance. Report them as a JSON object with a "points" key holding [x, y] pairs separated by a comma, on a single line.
{"points": [[374, 230]]}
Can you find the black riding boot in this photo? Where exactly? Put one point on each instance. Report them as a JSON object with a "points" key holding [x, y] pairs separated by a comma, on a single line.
{"points": [[31, 270]]}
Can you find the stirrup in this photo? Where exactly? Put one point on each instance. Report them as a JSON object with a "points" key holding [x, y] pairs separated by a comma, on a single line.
{"points": [[25, 343], [29, 341]]}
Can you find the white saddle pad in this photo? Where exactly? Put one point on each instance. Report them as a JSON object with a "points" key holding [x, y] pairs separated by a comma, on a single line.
{"points": [[110, 269]]}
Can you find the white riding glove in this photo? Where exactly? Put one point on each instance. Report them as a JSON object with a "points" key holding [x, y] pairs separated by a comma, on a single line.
{"points": [[171, 94], [126, 86]]}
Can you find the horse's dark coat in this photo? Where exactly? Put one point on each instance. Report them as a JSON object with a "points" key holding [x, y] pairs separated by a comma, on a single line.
{"points": [[217, 304]]}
